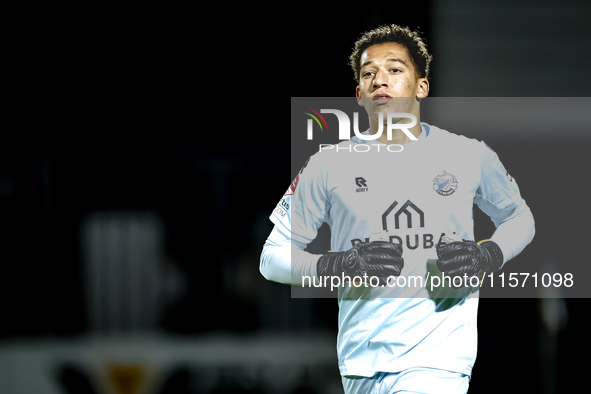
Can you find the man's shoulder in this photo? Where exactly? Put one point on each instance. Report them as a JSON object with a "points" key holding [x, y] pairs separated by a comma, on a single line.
{"points": [[324, 158], [436, 132], [445, 137]]}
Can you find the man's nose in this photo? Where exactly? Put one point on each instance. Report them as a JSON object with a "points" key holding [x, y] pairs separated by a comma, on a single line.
{"points": [[380, 79]]}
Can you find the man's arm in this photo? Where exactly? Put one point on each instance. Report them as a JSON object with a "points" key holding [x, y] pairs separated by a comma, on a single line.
{"points": [[297, 217], [498, 196], [283, 262]]}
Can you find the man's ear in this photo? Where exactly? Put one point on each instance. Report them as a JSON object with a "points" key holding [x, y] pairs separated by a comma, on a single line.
{"points": [[423, 88], [358, 97]]}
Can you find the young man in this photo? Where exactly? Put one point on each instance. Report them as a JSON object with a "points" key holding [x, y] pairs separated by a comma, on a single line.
{"points": [[410, 336]]}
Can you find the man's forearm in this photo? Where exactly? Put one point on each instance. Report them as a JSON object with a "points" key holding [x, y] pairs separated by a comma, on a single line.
{"points": [[515, 234], [283, 262]]}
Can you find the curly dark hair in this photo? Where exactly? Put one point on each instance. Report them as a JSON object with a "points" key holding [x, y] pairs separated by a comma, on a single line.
{"points": [[411, 40]]}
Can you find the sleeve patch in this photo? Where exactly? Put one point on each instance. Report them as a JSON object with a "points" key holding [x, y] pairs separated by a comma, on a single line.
{"points": [[282, 208], [291, 189]]}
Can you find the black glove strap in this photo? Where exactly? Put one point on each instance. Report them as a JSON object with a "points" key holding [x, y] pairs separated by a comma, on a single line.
{"points": [[496, 255]]}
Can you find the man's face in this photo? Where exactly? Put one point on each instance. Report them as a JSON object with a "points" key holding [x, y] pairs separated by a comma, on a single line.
{"points": [[388, 81]]}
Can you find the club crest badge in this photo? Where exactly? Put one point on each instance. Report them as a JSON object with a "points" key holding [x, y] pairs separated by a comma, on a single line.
{"points": [[445, 184]]}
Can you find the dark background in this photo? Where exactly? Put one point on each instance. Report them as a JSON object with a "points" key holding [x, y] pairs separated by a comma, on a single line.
{"points": [[136, 116]]}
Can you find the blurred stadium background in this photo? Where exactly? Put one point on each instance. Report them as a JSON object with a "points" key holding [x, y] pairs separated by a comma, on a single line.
{"points": [[133, 269]]}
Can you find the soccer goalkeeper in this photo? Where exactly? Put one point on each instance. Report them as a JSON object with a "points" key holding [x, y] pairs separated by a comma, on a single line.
{"points": [[419, 201]]}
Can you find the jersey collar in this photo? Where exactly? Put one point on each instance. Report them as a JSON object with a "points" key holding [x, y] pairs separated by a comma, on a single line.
{"points": [[425, 129]]}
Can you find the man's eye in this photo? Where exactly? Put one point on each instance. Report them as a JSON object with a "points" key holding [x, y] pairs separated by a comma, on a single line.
{"points": [[367, 73], [395, 70]]}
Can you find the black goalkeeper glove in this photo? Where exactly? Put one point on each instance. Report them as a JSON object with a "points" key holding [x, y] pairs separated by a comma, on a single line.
{"points": [[468, 259], [378, 258]]}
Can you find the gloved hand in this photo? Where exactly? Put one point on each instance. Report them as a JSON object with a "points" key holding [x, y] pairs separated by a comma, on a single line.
{"points": [[378, 258], [466, 259]]}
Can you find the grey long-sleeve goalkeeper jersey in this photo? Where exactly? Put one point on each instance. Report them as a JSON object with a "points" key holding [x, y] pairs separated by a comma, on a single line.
{"points": [[414, 196]]}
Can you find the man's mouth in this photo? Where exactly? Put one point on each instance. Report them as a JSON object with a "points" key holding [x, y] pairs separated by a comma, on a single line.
{"points": [[381, 98]]}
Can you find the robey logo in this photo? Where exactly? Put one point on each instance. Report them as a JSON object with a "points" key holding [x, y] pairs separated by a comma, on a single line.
{"points": [[361, 184]]}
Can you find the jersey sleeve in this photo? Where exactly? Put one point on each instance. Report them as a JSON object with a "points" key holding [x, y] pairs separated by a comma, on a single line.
{"points": [[499, 197], [305, 205], [297, 217]]}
